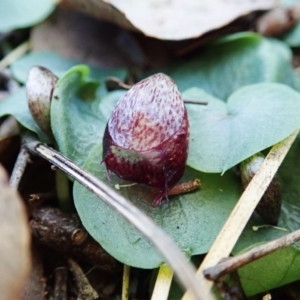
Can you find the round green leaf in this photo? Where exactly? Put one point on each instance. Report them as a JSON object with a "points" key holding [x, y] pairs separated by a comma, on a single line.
{"points": [[19, 14], [16, 105], [59, 65], [232, 62], [50, 60], [193, 220], [254, 118], [77, 120]]}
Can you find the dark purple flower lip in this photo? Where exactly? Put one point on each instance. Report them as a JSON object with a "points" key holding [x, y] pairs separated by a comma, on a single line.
{"points": [[146, 138]]}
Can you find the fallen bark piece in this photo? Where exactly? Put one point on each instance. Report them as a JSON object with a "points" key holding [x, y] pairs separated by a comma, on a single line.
{"points": [[65, 233]]}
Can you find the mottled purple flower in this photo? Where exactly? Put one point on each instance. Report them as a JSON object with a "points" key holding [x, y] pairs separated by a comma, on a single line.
{"points": [[146, 138]]}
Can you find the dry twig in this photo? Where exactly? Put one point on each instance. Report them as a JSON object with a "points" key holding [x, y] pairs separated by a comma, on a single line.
{"points": [[61, 282], [233, 263], [20, 164], [84, 289], [65, 233], [113, 83]]}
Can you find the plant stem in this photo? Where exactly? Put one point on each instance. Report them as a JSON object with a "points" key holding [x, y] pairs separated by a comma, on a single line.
{"points": [[14, 55], [62, 190], [173, 256], [125, 283]]}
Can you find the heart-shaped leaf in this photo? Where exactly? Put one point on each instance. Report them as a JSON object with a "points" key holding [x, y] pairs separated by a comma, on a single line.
{"points": [[59, 65], [253, 118], [222, 134], [16, 105], [232, 62], [78, 124], [19, 14], [193, 219]]}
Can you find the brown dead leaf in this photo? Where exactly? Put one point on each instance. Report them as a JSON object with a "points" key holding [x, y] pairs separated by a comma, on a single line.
{"points": [[170, 19], [15, 239]]}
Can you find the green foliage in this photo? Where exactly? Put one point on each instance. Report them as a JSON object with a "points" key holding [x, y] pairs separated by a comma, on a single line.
{"points": [[77, 124], [247, 112], [193, 220], [16, 14], [59, 66], [232, 62], [292, 36], [16, 105], [225, 133]]}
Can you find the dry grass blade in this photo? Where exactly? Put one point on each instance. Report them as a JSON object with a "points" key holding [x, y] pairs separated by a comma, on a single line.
{"points": [[240, 215], [163, 283], [165, 245]]}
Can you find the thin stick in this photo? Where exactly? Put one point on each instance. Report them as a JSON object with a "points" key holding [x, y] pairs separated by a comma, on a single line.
{"points": [[21, 161], [240, 215], [125, 283], [113, 83], [185, 187], [232, 264], [85, 290], [14, 55], [187, 101], [166, 246], [19, 167], [163, 283]]}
